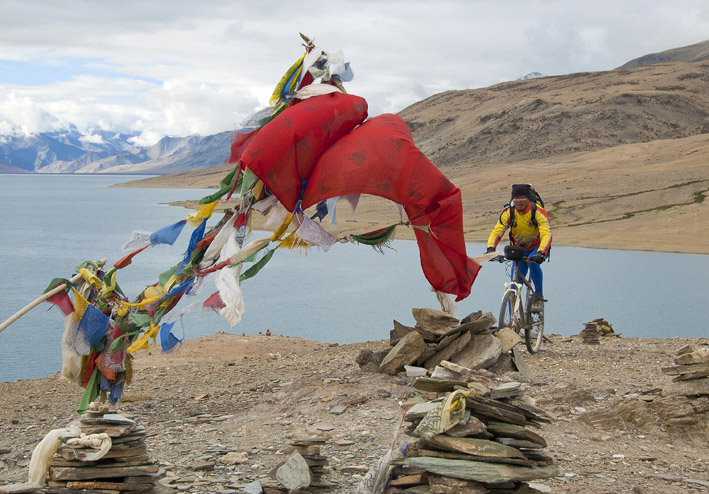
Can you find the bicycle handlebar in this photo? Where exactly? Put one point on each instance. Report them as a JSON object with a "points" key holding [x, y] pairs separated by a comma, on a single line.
{"points": [[501, 258]]}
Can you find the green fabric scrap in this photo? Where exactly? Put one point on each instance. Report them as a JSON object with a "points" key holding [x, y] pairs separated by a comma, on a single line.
{"points": [[91, 392], [140, 319], [165, 277], [253, 270], [56, 281], [123, 341], [248, 181], [378, 239], [225, 186]]}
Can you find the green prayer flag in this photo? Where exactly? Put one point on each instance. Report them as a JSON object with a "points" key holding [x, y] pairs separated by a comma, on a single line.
{"points": [[253, 270], [91, 392]]}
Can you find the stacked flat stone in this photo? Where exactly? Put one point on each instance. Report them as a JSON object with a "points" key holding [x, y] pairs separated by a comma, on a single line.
{"points": [[590, 335], [126, 468], [472, 342], [303, 470], [595, 329], [492, 447], [691, 372]]}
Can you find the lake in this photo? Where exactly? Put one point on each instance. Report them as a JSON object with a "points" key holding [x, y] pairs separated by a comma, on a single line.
{"points": [[349, 294]]}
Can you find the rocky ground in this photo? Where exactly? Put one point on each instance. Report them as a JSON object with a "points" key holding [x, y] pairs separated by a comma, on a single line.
{"points": [[615, 430]]}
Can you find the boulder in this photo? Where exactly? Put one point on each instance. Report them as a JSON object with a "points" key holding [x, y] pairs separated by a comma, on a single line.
{"points": [[294, 473], [451, 349], [480, 353], [693, 357], [409, 348], [435, 321]]}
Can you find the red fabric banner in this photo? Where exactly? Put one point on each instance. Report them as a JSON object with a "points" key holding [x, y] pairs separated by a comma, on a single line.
{"points": [[285, 150], [380, 158]]}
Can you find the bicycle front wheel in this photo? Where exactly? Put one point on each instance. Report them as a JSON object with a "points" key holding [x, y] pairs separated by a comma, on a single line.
{"points": [[534, 330], [507, 313]]}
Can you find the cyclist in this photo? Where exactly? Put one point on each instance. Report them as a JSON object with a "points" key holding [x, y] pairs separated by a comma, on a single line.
{"points": [[529, 228]]}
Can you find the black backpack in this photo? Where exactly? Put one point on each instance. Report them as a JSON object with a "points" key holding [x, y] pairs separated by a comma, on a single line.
{"points": [[536, 199]]}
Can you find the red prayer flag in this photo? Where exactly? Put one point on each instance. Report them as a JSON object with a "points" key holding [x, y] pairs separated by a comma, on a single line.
{"points": [[214, 302], [63, 302], [380, 158]]}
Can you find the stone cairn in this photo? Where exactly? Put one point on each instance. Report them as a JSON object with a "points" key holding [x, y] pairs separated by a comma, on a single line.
{"points": [[126, 468], [594, 330], [691, 371], [489, 447], [475, 437], [472, 342], [302, 471]]}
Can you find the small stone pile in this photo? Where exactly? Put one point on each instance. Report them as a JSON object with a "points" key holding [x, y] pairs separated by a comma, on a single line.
{"points": [[126, 468], [472, 342], [593, 330], [473, 443], [303, 470], [691, 371]]}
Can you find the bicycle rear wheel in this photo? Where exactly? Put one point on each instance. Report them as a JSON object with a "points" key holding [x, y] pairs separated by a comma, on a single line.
{"points": [[507, 317], [534, 329]]}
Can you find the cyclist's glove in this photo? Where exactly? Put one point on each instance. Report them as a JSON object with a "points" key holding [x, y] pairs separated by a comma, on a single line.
{"points": [[537, 258], [490, 249]]}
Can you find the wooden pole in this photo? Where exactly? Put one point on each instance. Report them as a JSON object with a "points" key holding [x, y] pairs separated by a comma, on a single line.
{"points": [[41, 299]]}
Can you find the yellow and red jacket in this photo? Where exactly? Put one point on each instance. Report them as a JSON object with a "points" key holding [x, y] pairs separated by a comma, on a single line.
{"points": [[523, 230]]}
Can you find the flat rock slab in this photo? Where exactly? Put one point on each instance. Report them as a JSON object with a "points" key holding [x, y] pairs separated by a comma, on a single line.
{"points": [[694, 387], [508, 338], [108, 418], [407, 351], [481, 471], [471, 446], [455, 346], [480, 353], [435, 321], [253, 488], [479, 325]]}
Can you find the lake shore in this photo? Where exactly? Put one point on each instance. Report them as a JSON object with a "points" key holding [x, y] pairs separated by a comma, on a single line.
{"points": [[618, 427], [600, 212]]}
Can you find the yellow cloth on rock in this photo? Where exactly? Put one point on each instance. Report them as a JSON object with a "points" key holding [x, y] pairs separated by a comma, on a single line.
{"points": [[447, 414]]}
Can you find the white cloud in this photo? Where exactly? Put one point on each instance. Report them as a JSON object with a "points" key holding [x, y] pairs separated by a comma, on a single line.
{"points": [[180, 67]]}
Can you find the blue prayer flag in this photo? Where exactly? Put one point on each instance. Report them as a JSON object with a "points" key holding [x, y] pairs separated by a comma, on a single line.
{"points": [[168, 234], [94, 324], [167, 339]]}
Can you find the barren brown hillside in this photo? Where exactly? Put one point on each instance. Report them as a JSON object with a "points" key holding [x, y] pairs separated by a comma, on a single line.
{"points": [[620, 157], [549, 116]]}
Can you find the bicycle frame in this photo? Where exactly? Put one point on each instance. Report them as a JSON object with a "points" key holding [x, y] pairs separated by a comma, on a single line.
{"points": [[515, 287]]}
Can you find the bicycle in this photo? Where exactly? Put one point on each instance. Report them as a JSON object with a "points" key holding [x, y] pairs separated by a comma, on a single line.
{"points": [[512, 311]]}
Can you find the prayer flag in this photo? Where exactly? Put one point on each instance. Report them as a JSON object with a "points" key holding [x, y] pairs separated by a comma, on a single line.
{"points": [[168, 234], [214, 302], [167, 339], [94, 323]]}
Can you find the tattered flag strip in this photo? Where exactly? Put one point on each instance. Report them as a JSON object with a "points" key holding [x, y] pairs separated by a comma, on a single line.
{"points": [[137, 239], [128, 259], [378, 239]]}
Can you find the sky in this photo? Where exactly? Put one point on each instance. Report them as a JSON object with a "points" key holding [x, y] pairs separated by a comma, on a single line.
{"points": [[179, 67]]}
